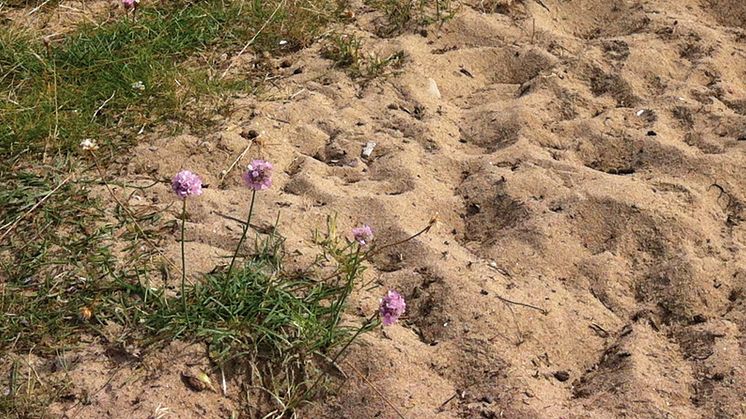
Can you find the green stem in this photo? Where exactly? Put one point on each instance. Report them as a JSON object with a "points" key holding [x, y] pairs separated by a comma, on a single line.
{"points": [[341, 351], [183, 260], [243, 236]]}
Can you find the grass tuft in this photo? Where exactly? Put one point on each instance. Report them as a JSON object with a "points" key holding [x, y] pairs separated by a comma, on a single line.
{"points": [[406, 15], [347, 53]]}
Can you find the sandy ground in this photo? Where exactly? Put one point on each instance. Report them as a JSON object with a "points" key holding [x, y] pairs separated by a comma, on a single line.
{"points": [[584, 157]]}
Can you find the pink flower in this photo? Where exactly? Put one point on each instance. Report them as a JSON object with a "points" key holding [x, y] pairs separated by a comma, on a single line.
{"points": [[363, 235], [258, 175], [391, 308], [186, 183], [130, 4]]}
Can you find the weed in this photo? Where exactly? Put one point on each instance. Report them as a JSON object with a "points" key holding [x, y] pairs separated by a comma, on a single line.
{"points": [[346, 52], [403, 15]]}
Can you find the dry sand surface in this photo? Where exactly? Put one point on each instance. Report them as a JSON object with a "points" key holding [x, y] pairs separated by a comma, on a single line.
{"points": [[585, 158]]}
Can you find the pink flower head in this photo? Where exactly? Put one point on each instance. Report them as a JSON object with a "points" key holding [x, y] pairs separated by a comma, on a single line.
{"points": [[186, 183], [129, 4], [258, 175], [392, 307], [363, 235]]}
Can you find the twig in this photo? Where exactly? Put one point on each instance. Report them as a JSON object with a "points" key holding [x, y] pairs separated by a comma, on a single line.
{"points": [[505, 300], [251, 41], [377, 250], [720, 195], [41, 201], [517, 325], [541, 3], [95, 114], [364, 378], [224, 173], [533, 30], [222, 377], [442, 406], [228, 217], [36, 9]]}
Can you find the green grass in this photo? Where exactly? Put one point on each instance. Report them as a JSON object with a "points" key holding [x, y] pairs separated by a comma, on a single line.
{"points": [[404, 15], [285, 324], [346, 51], [60, 261], [49, 99], [49, 95], [74, 254]]}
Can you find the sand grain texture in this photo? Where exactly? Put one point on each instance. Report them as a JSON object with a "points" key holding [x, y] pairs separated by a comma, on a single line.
{"points": [[586, 158]]}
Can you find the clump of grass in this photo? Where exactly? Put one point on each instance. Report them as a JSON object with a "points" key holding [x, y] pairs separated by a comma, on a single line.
{"points": [[25, 396], [282, 322], [346, 51], [403, 15]]}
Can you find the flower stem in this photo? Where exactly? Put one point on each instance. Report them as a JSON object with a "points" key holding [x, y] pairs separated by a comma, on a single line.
{"points": [[377, 250], [183, 260], [341, 351], [243, 236]]}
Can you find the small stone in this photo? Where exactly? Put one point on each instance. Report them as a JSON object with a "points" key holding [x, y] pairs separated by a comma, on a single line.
{"points": [[250, 134], [197, 380], [193, 382], [368, 149], [562, 376], [432, 88]]}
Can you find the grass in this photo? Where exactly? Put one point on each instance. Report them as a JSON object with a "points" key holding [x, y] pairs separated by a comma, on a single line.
{"points": [[284, 323], [346, 51], [55, 94], [71, 266], [77, 263], [404, 15]]}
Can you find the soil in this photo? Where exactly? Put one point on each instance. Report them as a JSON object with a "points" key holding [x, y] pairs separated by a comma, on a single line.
{"points": [[585, 158]]}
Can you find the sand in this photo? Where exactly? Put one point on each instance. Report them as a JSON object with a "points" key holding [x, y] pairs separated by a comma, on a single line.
{"points": [[585, 158]]}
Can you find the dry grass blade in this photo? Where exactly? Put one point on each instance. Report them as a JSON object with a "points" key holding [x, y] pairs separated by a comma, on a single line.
{"points": [[225, 172], [12, 225], [131, 215], [374, 388], [251, 41]]}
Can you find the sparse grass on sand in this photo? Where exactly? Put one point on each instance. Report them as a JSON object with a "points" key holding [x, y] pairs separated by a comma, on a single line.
{"points": [[68, 264], [71, 263]]}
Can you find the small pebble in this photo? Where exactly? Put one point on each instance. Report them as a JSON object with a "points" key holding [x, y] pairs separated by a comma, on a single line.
{"points": [[432, 88], [562, 376], [368, 149]]}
